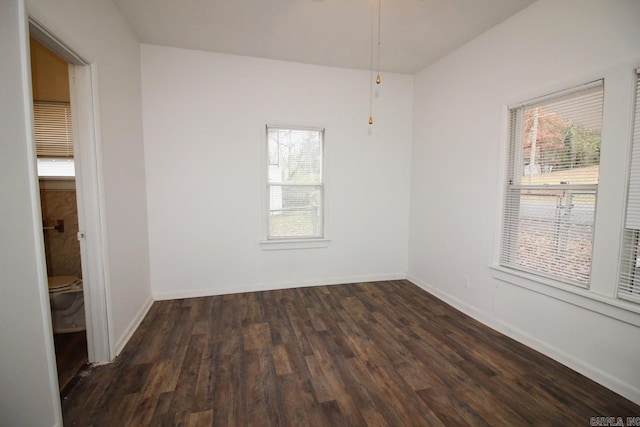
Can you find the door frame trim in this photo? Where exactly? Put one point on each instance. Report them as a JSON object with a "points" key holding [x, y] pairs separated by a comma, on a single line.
{"points": [[83, 84]]}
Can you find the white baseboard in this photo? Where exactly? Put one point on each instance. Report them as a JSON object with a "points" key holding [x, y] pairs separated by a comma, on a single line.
{"points": [[615, 384], [133, 325], [193, 293]]}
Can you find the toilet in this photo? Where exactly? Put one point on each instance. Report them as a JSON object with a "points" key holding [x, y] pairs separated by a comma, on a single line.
{"points": [[67, 304]]}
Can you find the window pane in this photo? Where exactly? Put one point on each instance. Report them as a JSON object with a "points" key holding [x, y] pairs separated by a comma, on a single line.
{"points": [[561, 140], [56, 167], [295, 211], [295, 156], [629, 284], [551, 232], [554, 166]]}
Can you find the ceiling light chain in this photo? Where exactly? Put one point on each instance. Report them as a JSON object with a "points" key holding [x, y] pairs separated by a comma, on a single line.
{"points": [[378, 79]]}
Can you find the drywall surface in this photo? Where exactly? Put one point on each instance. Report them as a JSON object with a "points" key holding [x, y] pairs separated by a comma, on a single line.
{"points": [[458, 166], [204, 129], [28, 382]]}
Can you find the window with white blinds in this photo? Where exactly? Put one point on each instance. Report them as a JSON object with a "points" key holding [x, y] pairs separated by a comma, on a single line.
{"points": [[552, 183], [53, 131], [295, 184], [629, 283]]}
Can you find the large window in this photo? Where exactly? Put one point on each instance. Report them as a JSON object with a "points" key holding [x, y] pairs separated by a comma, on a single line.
{"points": [[295, 184], [552, 183], [629, 286]]}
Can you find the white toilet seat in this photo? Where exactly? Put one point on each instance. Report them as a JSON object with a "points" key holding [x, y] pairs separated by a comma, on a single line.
{"points": [[60, 284]]}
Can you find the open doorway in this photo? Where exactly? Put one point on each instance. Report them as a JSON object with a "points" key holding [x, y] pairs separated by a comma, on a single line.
{"points": [[58, 200], [84, 163]]}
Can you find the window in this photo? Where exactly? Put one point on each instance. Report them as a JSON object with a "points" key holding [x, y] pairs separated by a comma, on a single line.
{"points": [[295, 183], [552, 183], [629, 284], [54, 139], [56, 167]]}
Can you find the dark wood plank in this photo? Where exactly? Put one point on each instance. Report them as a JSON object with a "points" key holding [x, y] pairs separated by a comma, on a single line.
{"points": [[201, 419], [382, 353]]}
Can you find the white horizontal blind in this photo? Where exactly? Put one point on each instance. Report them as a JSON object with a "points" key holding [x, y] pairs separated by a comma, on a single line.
{"points": [[52, 123], [295, 183], [552, 183], [628, 287], [633, 198]]}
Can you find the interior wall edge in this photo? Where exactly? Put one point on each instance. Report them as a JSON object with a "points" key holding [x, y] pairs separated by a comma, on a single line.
{"points": [[133, 326], [29, 385]]}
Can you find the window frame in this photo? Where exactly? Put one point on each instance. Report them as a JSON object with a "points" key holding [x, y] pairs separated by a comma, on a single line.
{"points": [[628, 286], [513, 170], [268, 242], [601, 297]]}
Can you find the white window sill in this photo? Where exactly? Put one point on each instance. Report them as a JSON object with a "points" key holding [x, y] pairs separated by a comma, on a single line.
{"points": [[278, 245], [621, 310]]}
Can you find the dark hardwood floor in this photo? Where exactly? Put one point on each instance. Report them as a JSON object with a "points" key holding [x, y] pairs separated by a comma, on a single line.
{"points": [[384, 353], [71, 355]]}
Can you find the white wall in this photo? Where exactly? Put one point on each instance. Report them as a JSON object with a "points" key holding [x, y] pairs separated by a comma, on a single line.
{"points": [[204, 117], [96, 31], [28, 384], [459, 145]]}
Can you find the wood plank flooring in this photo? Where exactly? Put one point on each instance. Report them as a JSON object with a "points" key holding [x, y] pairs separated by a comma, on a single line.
{"points": [[71, 355], [383, 353]]}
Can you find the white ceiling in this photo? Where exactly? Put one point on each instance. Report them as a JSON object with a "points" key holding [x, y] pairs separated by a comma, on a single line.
{"points": [[337, 33]]}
